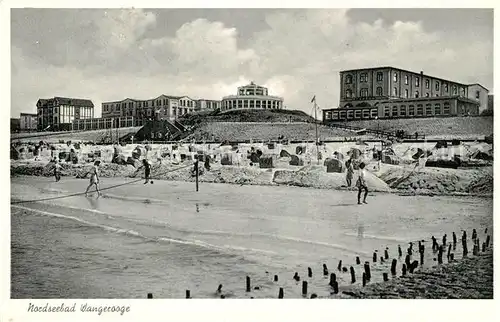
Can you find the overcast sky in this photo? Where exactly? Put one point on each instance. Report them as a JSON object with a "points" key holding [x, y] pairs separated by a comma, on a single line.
{"points": [[107, 55]]}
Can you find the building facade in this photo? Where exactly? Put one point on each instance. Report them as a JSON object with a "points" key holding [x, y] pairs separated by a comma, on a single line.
{"points": [[58, 113], [251, 96], [479, 93], [162, 107], [15, 125], [28, 122], [387, 92], [203, 104]]}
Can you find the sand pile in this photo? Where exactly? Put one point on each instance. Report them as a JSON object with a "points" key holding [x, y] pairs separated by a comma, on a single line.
{"points": [[437, 180], [317, 177]]}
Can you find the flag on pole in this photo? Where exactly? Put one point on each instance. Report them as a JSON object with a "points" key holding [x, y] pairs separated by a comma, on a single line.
{"points": [[313, 99]]}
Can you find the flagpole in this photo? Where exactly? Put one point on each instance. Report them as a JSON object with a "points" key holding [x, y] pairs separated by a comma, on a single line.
{"points": [[316, 122]]}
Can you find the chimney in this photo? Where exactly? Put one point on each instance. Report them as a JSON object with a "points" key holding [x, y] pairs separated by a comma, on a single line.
{"points": [[421, 72]]}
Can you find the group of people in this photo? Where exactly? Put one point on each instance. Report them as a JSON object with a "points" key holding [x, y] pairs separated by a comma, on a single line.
{"points": [[361, 182], [94, 174]]}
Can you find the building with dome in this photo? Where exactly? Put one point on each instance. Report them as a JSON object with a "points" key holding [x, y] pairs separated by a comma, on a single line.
{"points": [[253, 97]]}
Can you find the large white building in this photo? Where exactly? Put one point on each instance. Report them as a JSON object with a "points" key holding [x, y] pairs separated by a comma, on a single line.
{"points": [[251, 96]]}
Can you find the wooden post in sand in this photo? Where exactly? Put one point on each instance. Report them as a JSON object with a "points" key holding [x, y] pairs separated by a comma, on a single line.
{"points": [[440, 254], [364, 279], [188, 294], [386, 277], [374, 257], [197, 173], [248, 284], [393, 266], [488, 241], [404, 270], [367, 271], [386, 253], [280, 294], [150, 295], [339, 267], [304, 288], [333, 279], [358, 261], [400, 253], [353, 276], [309, 272]]}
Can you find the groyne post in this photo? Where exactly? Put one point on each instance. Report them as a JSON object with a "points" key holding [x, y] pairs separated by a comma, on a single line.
{"points": [[333, 278], [386, 277], [386, 253], [150, 295], [404, 270], [339, 267], [248, 284], [197, 173], [353, 276], [364, 279], [280, 294], [358, 261], [188, 294], [309, 272], [374, 257], [304, 288], [367, 271], [393, 266]]}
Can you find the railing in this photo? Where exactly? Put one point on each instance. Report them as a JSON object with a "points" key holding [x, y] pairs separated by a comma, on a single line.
{"points": [[377, 132]]}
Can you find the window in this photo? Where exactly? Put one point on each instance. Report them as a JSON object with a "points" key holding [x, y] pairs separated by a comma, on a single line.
{"points": [[406, 79], [406, 93], [348, 93], [420, 110], [454, 89], [477, 96], [411, 110], [374, 113], [462, 92], [402, 110], [395, 77], [437, 86], [427, 83], [348, 79], [335, 115], [437, 94], [417, 81], [387, 111], [426, 94], [446, 88], [350, 114], [395, 91], [428, 109], [379, 91], [366, 114], [417, 94], [437, 109], [394, 111], [357, 114], [380, 76], [363, 78], [446, 108], [343, 115], [364, 92]]}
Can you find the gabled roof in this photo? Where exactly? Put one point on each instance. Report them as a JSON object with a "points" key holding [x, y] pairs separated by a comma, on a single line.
{"points": [[74, 101]]}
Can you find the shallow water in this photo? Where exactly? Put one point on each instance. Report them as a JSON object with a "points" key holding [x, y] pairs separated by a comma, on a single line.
{"points": [[165, 238]]}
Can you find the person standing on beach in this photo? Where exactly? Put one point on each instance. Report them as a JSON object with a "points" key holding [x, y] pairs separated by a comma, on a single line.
{"points": [[361, 183], [350, 172], [94, 178], [57, 171], [147, 170]]}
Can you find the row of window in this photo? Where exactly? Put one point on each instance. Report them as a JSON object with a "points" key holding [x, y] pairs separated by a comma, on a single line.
{"points": [[140, 104], [244, 103], [363, 78], [352, 114], [149, 112], [402, 110], [379, 92]]}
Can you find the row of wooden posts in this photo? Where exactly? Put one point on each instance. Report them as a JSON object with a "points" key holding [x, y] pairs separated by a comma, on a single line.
{"points": [[408, 265]]}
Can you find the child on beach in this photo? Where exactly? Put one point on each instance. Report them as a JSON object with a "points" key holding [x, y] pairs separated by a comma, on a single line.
{"points": [[361, 183], [57, 171], [94, 178], [147, 170], [350, 172]]}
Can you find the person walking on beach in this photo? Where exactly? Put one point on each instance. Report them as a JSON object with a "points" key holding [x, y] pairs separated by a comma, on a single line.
{"points": [[361, 183], [94, 178], [147, 170], [350, 172], [57, 171]]}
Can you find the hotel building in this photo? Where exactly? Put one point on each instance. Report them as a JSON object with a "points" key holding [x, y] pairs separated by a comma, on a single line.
{"points": [[58, 113], [28, 122], [388, 92], [251, 96]]}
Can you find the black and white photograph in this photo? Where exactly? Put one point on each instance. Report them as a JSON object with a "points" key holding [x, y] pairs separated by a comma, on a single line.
{"points": [[251, 153]]}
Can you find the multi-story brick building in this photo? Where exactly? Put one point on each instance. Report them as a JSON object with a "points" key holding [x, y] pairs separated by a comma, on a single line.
{"points": [[58, 113], [388, 92], [28, 122]]}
